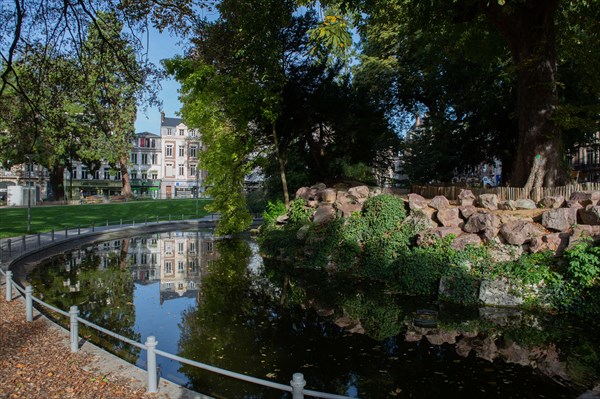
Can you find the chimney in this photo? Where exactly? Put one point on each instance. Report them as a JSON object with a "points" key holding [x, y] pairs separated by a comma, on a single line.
{"points": [[162, 117]]}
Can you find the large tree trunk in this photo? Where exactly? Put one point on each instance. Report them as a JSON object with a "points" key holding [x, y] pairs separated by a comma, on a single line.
{"points": [[57, 182], [126, 190], [529, 29]]}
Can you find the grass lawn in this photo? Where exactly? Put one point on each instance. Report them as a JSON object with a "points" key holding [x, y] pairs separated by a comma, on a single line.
{"points": [[13, 221]]}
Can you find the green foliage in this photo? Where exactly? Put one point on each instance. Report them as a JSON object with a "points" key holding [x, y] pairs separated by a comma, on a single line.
{"points": [[583, 264], [299, 212], [273, 211]]}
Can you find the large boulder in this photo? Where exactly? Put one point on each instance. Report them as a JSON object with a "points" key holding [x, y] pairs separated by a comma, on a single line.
{"points": [[459, 243], [439, 202], [555, 242], [525, 204], [307, 193], [325, 213], [328, 195], [508, 205], [427, 237], [449, 217], [582, 231], [590, 215], [478, 222], [586, 198], [319, 186], [560, 219], [519, 232], [359, 192], [342, 197], [498, 293], [488, 201], [421, 218], [346, 210], [415, 202], [466, 198], [552, 202], [467, 211]]}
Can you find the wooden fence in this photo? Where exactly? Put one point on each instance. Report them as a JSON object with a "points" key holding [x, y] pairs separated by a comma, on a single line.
{"points": [[505, 193]]}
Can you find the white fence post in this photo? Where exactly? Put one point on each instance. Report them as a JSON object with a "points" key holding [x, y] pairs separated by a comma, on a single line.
{"points": [[298, 384], [29, 303], [151, 343], [8, 286], [73, 313]]}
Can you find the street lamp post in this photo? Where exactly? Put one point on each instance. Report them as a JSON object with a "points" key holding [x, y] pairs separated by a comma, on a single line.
{"points": [[197, 188]]}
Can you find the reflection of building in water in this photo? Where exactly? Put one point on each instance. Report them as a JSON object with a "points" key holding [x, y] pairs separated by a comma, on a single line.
{"points": [[176, 260], [185, 256]]}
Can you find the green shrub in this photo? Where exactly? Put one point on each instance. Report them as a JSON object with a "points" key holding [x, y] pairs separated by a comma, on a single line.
{"points": [[299, 212], [272, 211]]}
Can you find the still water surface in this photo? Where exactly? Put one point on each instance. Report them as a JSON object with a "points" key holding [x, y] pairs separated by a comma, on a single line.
{"points": [[218, 302]]}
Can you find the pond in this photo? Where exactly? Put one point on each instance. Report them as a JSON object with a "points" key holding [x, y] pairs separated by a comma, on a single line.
{"points": [[219, 302]]}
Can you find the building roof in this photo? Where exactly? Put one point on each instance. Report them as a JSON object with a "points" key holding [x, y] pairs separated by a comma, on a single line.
{"points": [[147, 134], [171, 122]]}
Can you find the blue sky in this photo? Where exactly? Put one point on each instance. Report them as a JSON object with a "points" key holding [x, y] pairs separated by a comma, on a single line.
{"points": [[160, 46]]}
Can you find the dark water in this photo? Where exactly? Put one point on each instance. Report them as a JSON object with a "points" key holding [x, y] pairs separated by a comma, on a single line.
{"points": [[218, 302]]}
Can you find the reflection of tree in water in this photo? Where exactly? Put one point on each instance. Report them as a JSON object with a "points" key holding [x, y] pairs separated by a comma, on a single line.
{"points": [[101, 289]]}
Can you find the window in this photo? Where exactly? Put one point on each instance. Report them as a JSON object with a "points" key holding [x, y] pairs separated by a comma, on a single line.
{"points": [[169, 152], [153, 259], [144, 159], [154, 175], [84, 173], [180, 286], [169, 169], [144, 175], [118, 177], [144, 259], [192, 247], [134, 174], [181, 132], [168, 267], [152, 143], [74, 174], [180, 267], [180, 247], [169, 131], [181, 150], [134, 158], [106, 174], [181, 170], [154, 158], [192, 170], [209, 246], [193, 151], [96, 174]]}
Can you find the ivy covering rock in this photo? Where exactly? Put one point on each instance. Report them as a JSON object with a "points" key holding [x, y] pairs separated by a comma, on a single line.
{"points": [[470, 252]]}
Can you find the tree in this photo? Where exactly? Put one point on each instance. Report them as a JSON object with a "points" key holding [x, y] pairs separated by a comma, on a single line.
{"points": [[529, 31]]}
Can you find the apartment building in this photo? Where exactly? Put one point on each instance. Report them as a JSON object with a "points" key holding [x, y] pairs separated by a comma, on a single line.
{"points": [[180, 147], [145, 171]]}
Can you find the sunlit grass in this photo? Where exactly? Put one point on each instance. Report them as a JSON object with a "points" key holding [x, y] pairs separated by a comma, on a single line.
{"points": [[13, 221]]}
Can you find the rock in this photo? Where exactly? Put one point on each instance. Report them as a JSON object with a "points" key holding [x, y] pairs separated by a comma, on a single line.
{"points": [[302, 232], [488, 201], [590, 215], [574, 204], [508, 205], [359, 192], [282, 219], [560, 219], [439, 202], [415, 202], [586, 198], [307, 193], [342, 197], [519, 232], [461, 242], [467, 211], [375, 191], [325, 213], [449, 217], [466, 198], [328, 195], [480, 221], [427, 237], [489, 233], [498, 293], [442, 337], [525, 204], [584, 231], [552, 202], [312, 204], [346, 210], [421, 219], [319, 186], [505, 252]]}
